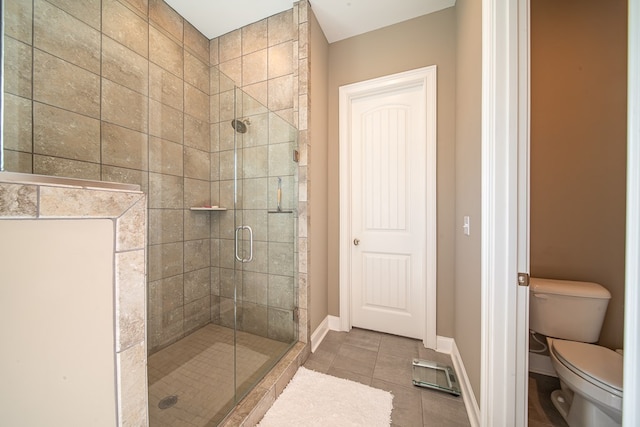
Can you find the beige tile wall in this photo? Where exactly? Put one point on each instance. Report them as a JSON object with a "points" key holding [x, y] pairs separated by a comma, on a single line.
{"points": [[122, 90]]}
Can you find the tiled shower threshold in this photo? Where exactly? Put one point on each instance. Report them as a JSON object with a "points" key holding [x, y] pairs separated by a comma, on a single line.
{"points": [[250, 410]]}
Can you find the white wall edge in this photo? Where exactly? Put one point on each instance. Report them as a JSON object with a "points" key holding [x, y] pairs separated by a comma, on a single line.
{"points": [[501, 375], [469, 398], [345, 213], [631, 413]]}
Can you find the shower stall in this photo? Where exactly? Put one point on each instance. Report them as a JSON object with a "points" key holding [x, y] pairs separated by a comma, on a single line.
{"points": [[247, 319], [126, 93]]}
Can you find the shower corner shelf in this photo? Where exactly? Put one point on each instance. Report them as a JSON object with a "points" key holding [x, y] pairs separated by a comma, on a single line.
{"points": [[207, 208]]}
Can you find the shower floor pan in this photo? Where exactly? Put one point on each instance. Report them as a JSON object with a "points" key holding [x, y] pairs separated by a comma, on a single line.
{"points": [[193, 382], [436, 376]]}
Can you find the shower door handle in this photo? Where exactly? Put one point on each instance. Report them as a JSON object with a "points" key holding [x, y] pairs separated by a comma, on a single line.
{"points": [[236, 242], [246, 227], [240, 228]]}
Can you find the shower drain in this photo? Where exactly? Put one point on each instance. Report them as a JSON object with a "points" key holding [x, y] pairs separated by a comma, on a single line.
{"points": [[168, 402]]}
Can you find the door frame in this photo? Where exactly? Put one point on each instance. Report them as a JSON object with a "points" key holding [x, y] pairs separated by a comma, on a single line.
{"points": [[631, 380], [500, 392], [505, 130], [426, 78]]}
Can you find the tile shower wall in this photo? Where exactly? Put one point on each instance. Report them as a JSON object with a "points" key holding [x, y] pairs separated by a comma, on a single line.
{"points": [[264, 60], [119, 91]]}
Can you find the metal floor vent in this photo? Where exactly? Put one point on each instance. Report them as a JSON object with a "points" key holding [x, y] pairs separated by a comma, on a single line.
{"points": [[168, 402], [436, 376]]}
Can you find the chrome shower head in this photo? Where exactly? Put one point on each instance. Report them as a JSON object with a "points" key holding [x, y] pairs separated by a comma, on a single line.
{"points": [[240, 126]]}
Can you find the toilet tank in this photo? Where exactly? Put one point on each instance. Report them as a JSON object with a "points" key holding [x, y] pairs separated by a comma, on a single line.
{"points": [[567, 309]]}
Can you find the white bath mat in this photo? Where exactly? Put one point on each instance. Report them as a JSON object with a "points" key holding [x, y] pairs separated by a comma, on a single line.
{"points": [[315, 399]]}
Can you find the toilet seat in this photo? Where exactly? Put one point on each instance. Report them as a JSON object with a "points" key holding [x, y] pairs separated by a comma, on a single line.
{"points": [[599, 365]]}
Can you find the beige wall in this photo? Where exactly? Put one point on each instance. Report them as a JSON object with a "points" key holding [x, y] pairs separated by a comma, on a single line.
{"points": [[317, 179], [578, 147], [468, 192], [420, 42]]}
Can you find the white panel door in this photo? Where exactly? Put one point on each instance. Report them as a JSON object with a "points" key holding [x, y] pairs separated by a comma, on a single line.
{"points": [[388, 211]]}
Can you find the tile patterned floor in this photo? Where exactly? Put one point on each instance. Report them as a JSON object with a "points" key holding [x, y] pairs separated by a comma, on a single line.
{"points": [[542, 413], [384, 361], [199, 370]]}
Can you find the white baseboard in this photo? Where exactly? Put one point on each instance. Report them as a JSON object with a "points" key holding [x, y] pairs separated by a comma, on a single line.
{"points": [[444, 344], [470, 402], [318, 335], [334, 323], [330, 323], [541, 364]]}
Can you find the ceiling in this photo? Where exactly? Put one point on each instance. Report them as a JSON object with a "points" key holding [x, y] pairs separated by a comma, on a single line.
{"points": [[339, 19]]}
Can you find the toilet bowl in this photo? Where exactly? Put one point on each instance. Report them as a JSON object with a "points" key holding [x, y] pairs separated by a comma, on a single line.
{"points": [[571, 313], [591, 383]]}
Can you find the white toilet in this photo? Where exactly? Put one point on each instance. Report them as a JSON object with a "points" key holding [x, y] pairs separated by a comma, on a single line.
{"points": [[570, 314]]}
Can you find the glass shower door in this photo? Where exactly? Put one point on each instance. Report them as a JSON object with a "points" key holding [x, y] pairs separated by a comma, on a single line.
{"points": [[265, 228]]}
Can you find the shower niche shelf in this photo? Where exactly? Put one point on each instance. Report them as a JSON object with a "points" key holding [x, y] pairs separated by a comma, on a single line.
{"points": [[207, 208]]}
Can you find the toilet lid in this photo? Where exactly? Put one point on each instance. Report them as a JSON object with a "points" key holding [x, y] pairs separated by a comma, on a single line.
{"points": [[595, 363]]}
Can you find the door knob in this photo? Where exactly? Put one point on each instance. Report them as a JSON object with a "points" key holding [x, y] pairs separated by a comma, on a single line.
{"points": [[356, 242]]}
